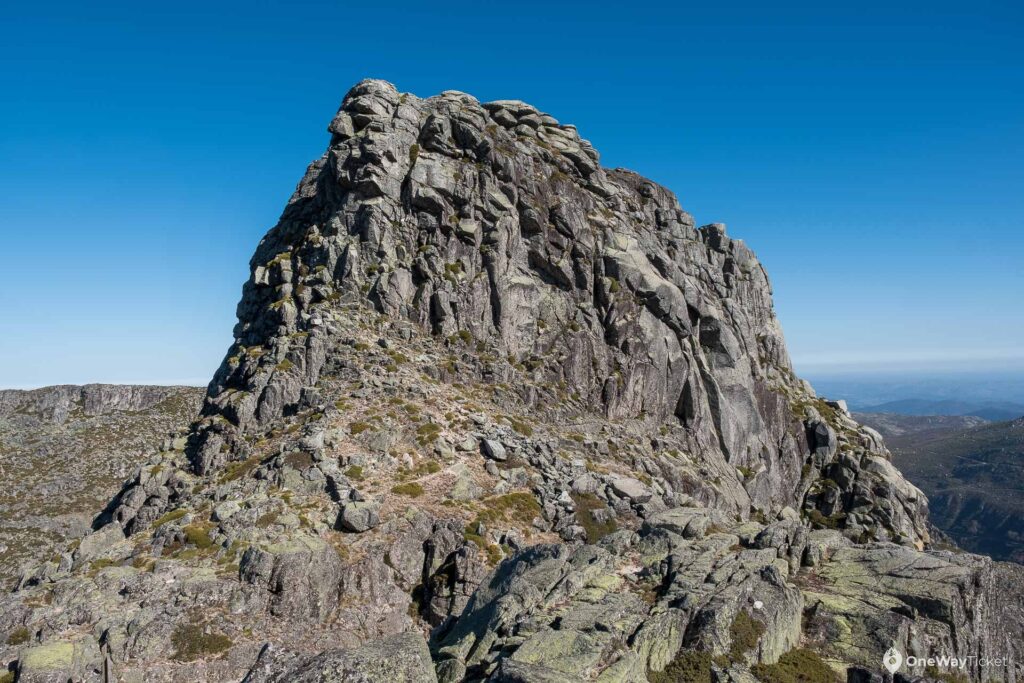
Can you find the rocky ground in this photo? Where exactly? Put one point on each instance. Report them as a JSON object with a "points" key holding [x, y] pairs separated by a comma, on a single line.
{"points": [[496, 413], [64, 452]]}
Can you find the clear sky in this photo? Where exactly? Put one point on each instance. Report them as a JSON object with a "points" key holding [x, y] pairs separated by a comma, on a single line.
{"points": [[870, 153]]}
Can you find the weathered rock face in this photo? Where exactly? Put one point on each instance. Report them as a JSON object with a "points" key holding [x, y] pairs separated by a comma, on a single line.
{"points": [[495, 406]]}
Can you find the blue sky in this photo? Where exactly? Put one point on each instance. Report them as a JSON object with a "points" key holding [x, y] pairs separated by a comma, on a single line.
{"points": [[870, 153]]}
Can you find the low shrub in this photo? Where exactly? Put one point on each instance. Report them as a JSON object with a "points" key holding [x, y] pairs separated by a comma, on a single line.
{"points": [[586, 505], [411, 489], [192, 642], [796, 666], [689, 666]]}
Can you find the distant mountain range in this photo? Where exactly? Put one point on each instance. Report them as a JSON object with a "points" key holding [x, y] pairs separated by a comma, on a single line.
{"points": [[989, 410], [972, 472]]}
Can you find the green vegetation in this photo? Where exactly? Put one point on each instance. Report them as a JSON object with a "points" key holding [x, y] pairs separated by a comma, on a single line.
{"points": [[745, 632], [267, 519], [831, 522], [299, 460], [354, 472], [411, 489], [358, 427], [796, 666], [933, 672], [97, 565], [517, 507], [198, 535], [285, 365], [7, 677], [170, 517], [521, 426], [238, 469], [586, 505], [427, 433], [192, 642], [689, 666], [414, 153], [19, 636]]}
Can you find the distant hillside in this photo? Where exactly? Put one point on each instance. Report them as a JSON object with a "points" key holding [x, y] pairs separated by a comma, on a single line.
{"points": [[64, 451], [892, 425], [974, 479], [990, 410]]}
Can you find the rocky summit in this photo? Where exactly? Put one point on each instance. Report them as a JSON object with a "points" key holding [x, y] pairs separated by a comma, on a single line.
{"points": [[496, 413]]}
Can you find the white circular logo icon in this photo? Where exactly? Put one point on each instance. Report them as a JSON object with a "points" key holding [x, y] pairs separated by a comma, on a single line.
{"points": [[892, 659]]}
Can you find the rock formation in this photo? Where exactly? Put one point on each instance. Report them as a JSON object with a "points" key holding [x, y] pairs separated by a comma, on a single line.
{"points": [[514, 416]]}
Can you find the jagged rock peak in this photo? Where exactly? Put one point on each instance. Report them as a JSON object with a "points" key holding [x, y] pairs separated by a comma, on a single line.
{"points": [[587, 291]]}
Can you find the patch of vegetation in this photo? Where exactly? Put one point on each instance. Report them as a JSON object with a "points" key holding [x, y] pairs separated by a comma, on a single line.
{"points": [[427, 433], [358, 427], [494, 554], [518, 507], [744, 632], [586, 505], [521, 426], [689, 666], [933, 672], [19, 636], [267, 519], [7, 677], [192, 642], [354, 472], [831, 522], [198, 535], [796, 666], [411, 489], [285, 365], [98, 565], [299, 460], [414, 153], [170, 517]]}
